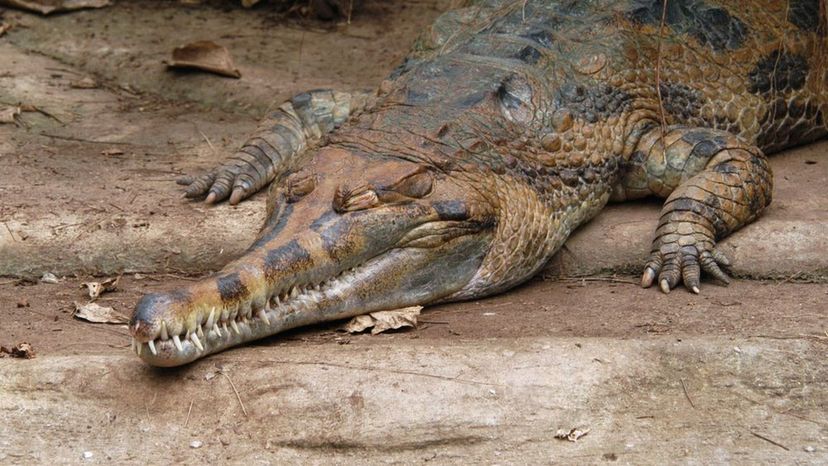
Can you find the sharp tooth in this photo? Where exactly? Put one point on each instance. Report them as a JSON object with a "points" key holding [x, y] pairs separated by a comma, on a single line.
{"points": [[217, 330], [294, 292], [164, 334], [200, 331], [138, 348], [278, 302], [177, 342], [224, 329], [151, 344], [235, 327], [196, 342], [132, 344], [212, 318], [263, 316]]}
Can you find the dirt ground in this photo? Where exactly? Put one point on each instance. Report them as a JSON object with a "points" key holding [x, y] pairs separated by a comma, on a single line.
{"points": [[736, 375]]}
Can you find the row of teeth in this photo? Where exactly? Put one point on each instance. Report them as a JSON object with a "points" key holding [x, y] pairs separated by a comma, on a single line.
{"points": [[217, 321]]}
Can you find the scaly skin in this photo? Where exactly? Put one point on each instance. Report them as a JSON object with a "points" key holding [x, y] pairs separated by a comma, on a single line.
{"points": [[511, 123]]}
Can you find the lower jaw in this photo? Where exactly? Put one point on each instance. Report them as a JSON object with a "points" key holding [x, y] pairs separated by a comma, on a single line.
{"points": [[166, 353]]}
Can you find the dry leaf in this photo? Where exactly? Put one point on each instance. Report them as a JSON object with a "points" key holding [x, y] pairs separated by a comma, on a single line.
{"points": [[49, 277], [205, 55], [98, 288], [46, 7], [571, 435], [4, 28], [381, 321], [94, 313], [22, 350], [85, 83], [9, 114]]}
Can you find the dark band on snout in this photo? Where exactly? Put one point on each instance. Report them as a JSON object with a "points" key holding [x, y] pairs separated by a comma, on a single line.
{"points": [[451, 210], [231, 288], [290, 258]]}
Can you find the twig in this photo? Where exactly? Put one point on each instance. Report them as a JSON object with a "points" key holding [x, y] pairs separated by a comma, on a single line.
{"points": [[790, 277], [212, 147], [599, 279], [686, 394], [244, 410], [47, 114], [769, 440], [70, 138], [658, 70], [188, 413], [10, 232]]}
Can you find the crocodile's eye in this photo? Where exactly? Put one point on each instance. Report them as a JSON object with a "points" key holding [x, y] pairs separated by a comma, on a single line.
{"points": [[414, 186]]}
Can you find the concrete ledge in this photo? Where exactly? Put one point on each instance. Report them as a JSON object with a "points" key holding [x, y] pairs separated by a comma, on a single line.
{"points": [[789, 241], [501, 400]]}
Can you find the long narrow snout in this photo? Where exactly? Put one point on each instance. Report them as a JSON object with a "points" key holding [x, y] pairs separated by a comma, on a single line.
{"points": [[330, 256]]}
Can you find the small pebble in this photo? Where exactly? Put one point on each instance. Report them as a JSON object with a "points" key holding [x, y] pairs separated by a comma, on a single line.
{"points": [[49, 277], [88, 455], [810, 449], [196, 444]]}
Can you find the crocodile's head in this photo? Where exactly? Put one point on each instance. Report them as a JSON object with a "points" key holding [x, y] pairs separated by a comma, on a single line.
{"points": [[349, 234]]}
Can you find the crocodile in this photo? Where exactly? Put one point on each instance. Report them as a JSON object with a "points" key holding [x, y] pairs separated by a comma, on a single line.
{"points": [[510, 123]]}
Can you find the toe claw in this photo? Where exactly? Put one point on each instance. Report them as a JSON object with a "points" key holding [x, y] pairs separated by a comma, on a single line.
{"points": [[648, 277], [238, 195], [664, 285]]}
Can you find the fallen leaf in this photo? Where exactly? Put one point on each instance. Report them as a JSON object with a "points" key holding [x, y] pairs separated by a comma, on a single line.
{"points": [[98, 288], [97, 314], [49, 277], [9, 114], [571, 435], [205, 55], [85, 83], [46, 7], [381, 321], [22, 350], [4, 28]]}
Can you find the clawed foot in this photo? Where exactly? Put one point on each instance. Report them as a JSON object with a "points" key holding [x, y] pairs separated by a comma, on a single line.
{"points": [[229, 180], [683, 260]]}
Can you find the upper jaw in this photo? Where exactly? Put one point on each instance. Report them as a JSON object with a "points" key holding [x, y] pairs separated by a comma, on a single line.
{"points": [[221, 327]]}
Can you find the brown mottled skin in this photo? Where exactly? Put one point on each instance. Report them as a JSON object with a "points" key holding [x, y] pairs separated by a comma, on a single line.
{"points": [[511, 123]]}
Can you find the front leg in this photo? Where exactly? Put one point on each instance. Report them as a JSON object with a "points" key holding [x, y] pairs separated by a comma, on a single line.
{"points": [[714, 183], [274, 148]]}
